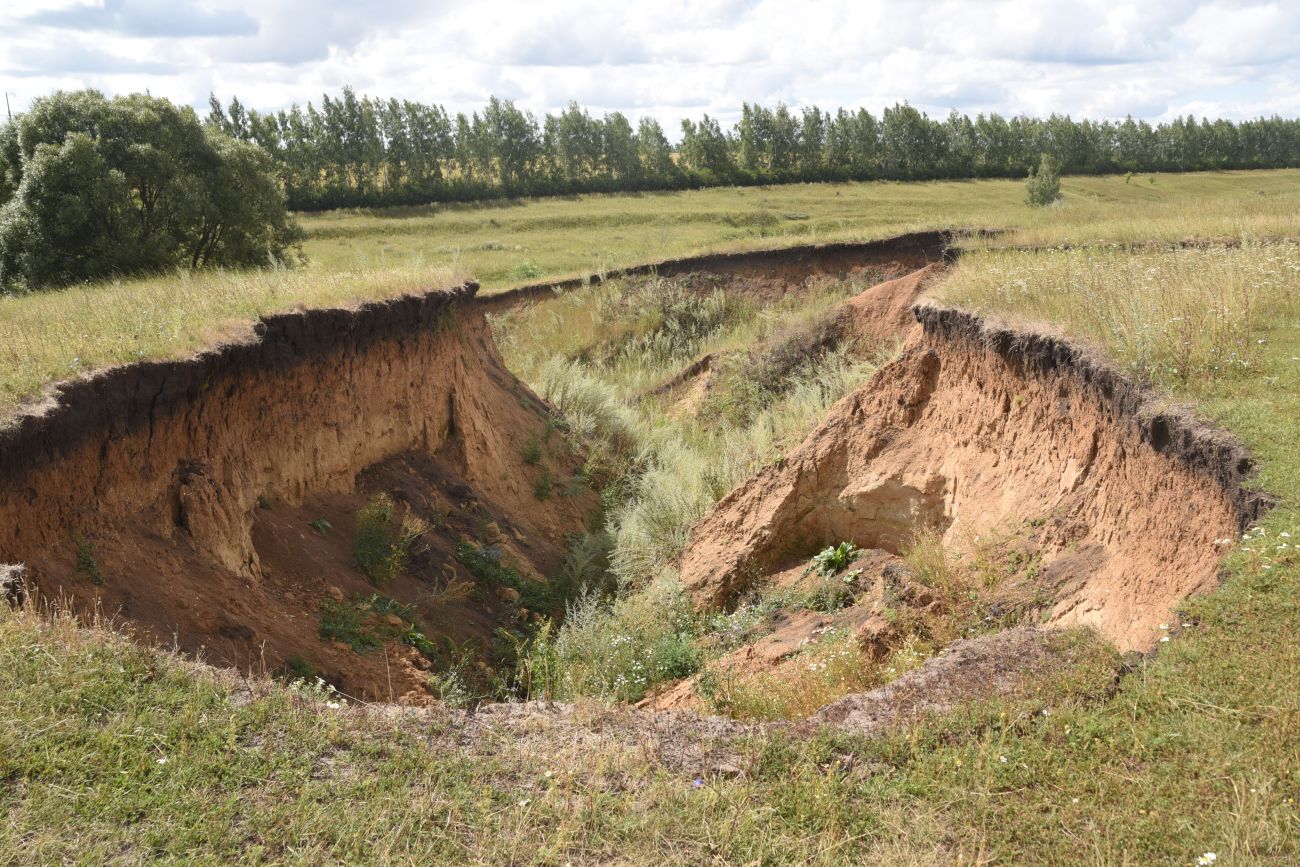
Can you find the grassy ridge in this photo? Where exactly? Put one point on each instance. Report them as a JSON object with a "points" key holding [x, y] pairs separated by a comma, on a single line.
{"points": [[361, 255]]}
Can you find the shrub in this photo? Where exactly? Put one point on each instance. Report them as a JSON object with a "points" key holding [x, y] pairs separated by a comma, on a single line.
{"points": [[383, 547], [96, 187], [614, 650], [1043, 187]]}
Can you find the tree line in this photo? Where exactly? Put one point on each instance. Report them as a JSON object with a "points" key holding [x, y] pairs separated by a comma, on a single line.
{"points": [[363, 151]]}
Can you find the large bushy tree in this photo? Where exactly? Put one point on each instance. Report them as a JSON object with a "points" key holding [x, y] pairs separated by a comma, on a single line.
{"points": [[92, 187]]}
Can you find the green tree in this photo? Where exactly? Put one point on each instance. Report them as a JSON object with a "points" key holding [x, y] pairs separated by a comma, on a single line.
{"points": [[106, 187], [1043, 186]]}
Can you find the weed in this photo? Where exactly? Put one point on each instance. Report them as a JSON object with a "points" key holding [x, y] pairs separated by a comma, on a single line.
{"points": [[544, 485], [346, 623], [525, 269], [486, 565], [87, 565], [382, 547], [298, 667], [321, 526], [532, 453], [832, 560]]}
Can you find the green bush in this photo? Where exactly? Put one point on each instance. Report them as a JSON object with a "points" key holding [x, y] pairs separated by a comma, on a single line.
{"points": [[92, 187], [1043, 186], [382, 545], [615, 650]]}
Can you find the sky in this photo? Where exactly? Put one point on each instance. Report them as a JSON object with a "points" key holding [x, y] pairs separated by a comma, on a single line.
{"points": [[669, 59]]}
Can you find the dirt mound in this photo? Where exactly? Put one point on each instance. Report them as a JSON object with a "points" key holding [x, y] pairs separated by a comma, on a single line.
{"points": [[215, 502], [974, 430], [969, 670], [884, 311]]}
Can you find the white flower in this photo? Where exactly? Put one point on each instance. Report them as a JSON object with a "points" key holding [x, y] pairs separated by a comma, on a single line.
{"points": [[1164, 638], [163, 760], [1002, 759], [333, 705], [1164, 625], [1207, 858]]}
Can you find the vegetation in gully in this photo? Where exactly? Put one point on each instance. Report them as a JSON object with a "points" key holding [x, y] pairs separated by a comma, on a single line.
{"points": [[114, 751]]}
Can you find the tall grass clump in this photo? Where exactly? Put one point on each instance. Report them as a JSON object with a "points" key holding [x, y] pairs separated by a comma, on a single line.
{"points": [[1172, 316], [614, 649]]}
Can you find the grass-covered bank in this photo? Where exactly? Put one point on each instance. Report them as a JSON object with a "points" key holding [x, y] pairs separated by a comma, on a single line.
{"points": [[367, 254]]}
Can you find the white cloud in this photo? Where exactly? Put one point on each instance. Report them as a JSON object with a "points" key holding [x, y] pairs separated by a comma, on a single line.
{"points": [[1149, 58]]}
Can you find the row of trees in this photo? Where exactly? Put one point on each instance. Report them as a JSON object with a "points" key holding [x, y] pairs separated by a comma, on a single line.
{"points": [[92, 187], [357, 150]]}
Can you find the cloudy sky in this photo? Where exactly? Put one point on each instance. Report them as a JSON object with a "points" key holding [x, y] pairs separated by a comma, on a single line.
{"points": [[673, 58]]}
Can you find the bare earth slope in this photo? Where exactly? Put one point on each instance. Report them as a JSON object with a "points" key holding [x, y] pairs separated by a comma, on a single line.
{"points": [[974, 429], [181, 496]]}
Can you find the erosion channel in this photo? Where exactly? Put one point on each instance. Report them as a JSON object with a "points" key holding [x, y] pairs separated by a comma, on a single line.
{"points": [[805, 452]]}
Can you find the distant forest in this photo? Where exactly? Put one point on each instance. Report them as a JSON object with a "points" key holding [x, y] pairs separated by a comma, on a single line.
{"points": [[360, 151]]}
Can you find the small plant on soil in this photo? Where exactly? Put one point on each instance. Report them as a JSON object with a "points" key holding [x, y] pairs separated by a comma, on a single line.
{"points": [[346, 623], [383, 547], [487, 567], [321, 526], [532, 453], [833, 560], [544, 486], [86, 563]]}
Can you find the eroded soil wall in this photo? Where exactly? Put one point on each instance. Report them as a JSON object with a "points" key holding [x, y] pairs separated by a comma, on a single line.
{"points": [[147, 489], [976, 430]]}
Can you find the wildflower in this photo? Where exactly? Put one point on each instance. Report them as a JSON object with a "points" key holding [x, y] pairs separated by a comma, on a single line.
{"points": [[1206, 859], [697, 783], [1164, 625], [1002, 759], [1074, 800], [162, 760], [1164, 638], [524, 802]]}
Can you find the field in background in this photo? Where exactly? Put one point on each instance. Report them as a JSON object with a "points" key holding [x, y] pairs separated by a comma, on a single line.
{"points": [[509, 243], [357, 255]]}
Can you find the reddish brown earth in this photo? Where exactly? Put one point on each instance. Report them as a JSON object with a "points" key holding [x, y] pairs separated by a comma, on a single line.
{"points": [[193, 486], [973, 429], [180, 497]]}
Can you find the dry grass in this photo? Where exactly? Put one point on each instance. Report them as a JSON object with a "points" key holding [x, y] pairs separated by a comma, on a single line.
{"points": [[54, 336], [364, 255], [1175, 316]]}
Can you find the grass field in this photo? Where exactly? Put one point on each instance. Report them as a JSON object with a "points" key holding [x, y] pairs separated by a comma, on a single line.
{"points": [[354, 255], [110, 752]]}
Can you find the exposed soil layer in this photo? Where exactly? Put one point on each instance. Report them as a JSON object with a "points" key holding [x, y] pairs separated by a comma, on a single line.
{"points": [[978, 430], [765, 274], [213, 501]]}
